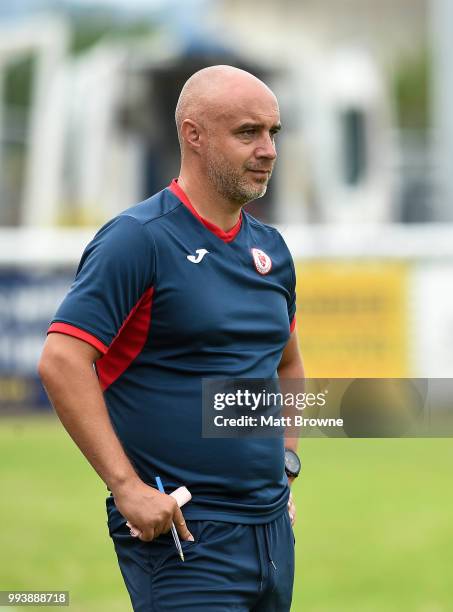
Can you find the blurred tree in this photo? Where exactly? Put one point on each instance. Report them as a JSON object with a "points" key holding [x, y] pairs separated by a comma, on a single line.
{"points": [[411, 89], [87, 30], [17, 86]]}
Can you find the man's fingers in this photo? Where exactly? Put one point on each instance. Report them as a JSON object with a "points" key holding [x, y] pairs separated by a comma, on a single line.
{"points": [[163, 525], [181, 526], [292, 510], [147, 536], [133, 530]]}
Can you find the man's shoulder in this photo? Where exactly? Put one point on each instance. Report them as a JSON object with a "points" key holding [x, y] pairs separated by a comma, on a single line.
{"points": [[152, 209], [135, 225], [260, 225], [263, 228]]}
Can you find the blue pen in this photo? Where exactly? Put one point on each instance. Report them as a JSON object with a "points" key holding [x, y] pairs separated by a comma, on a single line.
{"points": [[174, 533]]}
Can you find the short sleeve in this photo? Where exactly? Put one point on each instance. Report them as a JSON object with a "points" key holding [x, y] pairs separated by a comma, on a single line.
{"points": [[116, 270]]}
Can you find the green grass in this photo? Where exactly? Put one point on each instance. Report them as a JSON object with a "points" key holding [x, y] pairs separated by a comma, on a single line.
{"points": [[52, 515], [374, 530]]}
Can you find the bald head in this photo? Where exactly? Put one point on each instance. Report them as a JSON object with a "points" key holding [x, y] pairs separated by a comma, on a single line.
{"points": [[216, 91], [227, 120]]}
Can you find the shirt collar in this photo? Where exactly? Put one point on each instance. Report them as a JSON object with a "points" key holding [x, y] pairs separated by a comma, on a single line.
{"points": [[215, 229]]}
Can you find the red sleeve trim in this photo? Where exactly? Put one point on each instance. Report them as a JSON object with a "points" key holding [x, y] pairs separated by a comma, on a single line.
{"points": [[293, 324], [71, 330]]}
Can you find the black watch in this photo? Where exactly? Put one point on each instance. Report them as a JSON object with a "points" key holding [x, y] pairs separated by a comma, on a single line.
{"points": [[292, 463]]}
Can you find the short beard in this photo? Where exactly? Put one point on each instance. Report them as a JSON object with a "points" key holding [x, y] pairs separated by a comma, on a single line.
{"points": [[229, 182]]}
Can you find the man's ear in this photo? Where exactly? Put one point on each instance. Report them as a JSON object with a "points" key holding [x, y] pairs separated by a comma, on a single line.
{"points": [[191, 132]]}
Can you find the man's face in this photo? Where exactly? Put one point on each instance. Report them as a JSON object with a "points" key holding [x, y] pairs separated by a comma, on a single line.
{"points": [[240, 151]]}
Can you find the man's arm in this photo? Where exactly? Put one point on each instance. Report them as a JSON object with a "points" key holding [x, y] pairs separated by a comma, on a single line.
{"points": [[291, 366], [67, 372]]}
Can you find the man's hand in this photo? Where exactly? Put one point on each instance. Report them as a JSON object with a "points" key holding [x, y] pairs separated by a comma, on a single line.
{"points": [[291, 509], [291, 503], [149, 511]]}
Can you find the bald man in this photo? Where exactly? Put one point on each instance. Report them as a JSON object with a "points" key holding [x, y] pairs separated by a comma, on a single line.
{"points": [[181, 287]]}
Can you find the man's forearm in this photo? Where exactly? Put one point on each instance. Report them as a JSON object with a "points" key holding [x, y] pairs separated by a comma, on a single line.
{"points": [[66, 369], [294, 370], [76, 396]]}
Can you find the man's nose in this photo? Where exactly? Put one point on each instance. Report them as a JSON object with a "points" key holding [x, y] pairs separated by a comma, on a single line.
{"points": [[266, 148]]}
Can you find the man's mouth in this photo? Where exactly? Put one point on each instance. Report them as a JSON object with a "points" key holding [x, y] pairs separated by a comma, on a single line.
{"points": [[259, 172]]}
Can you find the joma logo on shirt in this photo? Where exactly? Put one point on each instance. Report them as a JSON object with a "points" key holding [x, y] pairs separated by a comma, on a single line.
{"points": [[199, 257]]}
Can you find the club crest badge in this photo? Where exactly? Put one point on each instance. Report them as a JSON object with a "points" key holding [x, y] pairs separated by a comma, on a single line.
{"points": [[263, 263]]}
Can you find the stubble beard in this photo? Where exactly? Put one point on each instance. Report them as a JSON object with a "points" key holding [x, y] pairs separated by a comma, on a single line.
{"points": [[231, 183]]}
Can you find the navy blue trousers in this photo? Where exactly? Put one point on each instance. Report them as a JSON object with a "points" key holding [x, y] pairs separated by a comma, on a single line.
{"points": [[229, 568]]}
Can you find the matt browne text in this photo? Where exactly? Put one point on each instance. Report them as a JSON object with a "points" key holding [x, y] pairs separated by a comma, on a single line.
{"points": [[271, 421]]}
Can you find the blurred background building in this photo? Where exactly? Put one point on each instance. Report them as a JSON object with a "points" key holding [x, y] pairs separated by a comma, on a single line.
{"points": [[89, 93], [362, 190]]}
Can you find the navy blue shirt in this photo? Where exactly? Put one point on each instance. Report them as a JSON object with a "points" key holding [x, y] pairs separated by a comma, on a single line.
{"points": [[168, 299]]}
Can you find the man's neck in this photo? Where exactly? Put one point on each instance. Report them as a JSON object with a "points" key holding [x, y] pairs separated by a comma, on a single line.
{"points": [[208, 203]]}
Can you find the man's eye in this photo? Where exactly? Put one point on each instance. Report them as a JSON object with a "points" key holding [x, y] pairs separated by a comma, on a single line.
{"points": [[250, 132]]}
